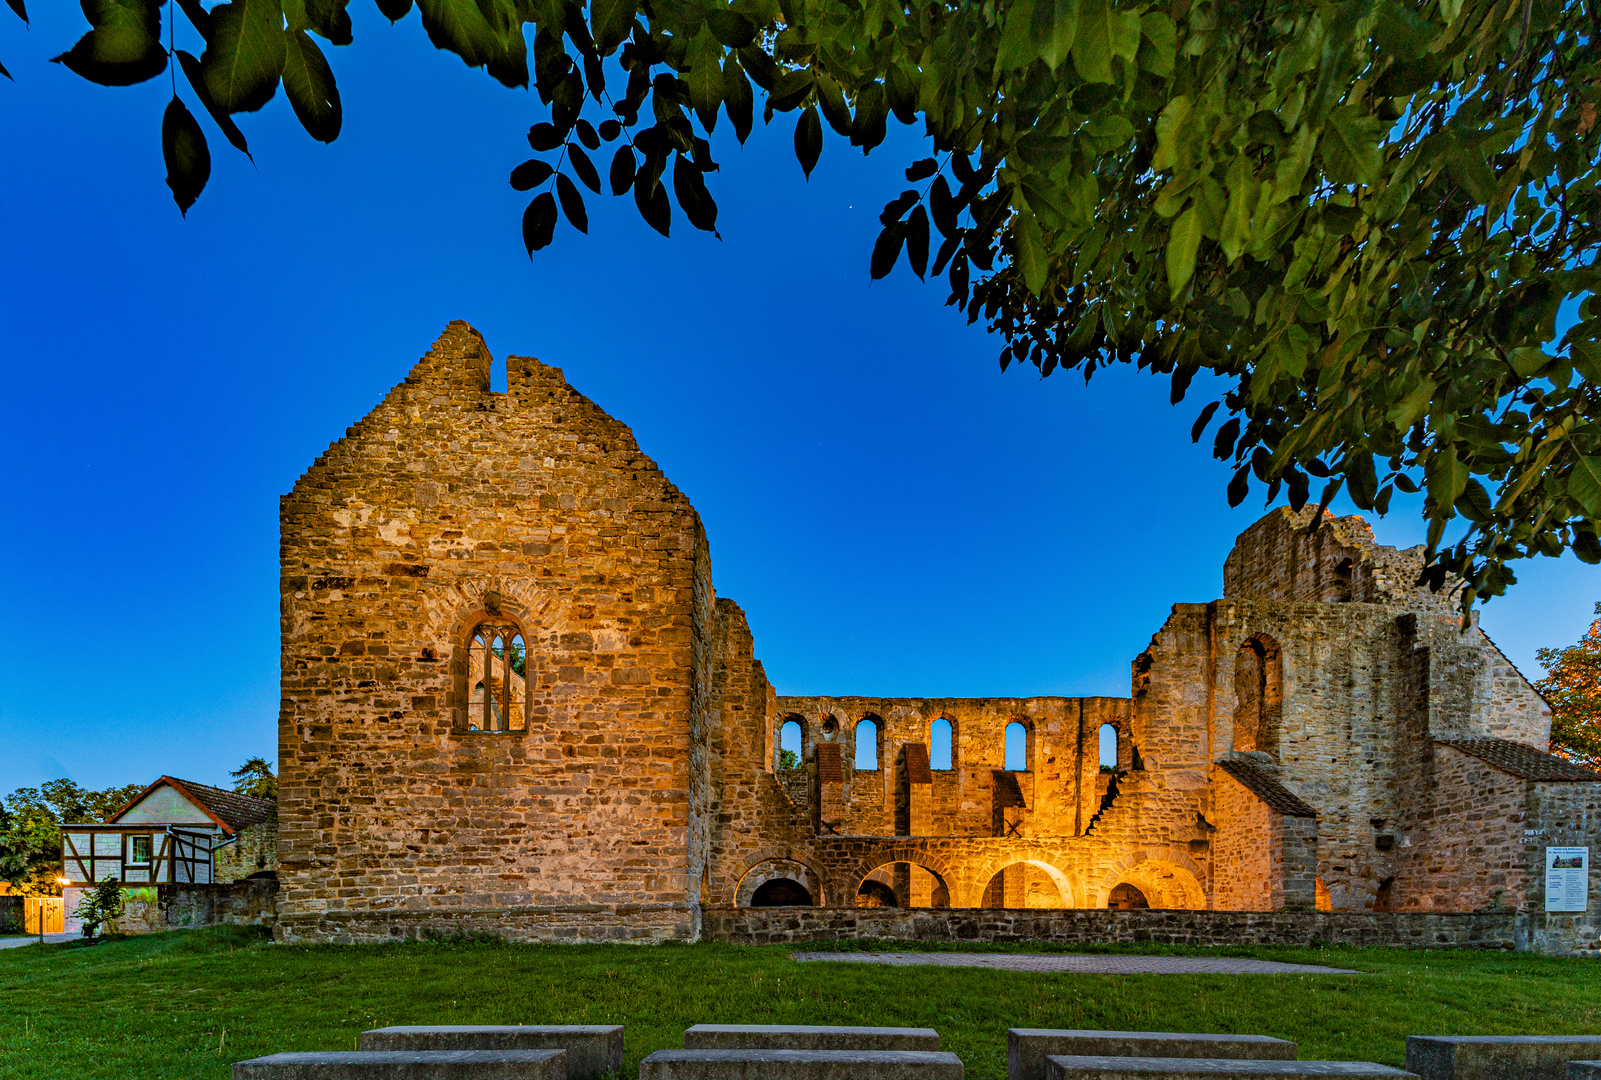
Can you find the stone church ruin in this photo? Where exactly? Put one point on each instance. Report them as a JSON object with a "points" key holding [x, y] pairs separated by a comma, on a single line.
{"points": [[513, 701]]}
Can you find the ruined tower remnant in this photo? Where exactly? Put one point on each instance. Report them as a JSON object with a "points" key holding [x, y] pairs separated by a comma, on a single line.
{"points": [[512, 702]]}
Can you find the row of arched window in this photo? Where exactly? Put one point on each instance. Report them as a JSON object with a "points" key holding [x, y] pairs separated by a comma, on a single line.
{"points": [[941, 745]]}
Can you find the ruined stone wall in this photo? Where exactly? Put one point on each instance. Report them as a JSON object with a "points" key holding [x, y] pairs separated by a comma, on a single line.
{"points": [[1563, 815], [1462, 845], [255, 851], [446, 506], [1243, 868]]}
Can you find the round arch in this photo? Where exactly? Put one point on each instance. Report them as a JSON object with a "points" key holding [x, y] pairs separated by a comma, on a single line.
{"points": [[778, 870], [1064, 887], [882, 870], [1167, 877]]}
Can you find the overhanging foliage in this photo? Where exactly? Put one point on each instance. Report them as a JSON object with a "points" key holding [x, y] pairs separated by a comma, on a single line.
{"points": [[1369, 215]]}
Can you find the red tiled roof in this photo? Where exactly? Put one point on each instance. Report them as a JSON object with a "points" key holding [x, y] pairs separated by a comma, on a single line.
{"points": [[229, 809], [1524, 762]]}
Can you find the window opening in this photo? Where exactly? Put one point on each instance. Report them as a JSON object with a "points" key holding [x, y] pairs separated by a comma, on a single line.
{"points": [[1108, 741], [789, 745], [1016, 747], [139, 849], [940, 754], [499, 667], [867, 744]]}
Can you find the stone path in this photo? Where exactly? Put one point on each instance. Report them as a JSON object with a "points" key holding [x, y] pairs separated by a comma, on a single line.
{"points": [[1084, 964], [33, 939]]}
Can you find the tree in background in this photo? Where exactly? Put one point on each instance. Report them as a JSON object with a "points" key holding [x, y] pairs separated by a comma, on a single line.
{"points": [[1572, 685], [1366, 215], [30, 829], [255, 778]]}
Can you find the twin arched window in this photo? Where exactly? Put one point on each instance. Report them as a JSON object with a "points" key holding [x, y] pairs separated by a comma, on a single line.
{"points": [[498, 693]]}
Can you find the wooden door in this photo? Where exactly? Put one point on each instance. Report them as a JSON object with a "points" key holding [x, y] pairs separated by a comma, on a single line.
{"points": [[51, 909]]}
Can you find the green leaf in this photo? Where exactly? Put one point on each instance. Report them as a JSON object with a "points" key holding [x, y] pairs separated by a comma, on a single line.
{"points": [[1033, 261], [539, 222], [1447, 477], [17, 6], [611, 21], [1169, 125], [1183, 241], [124, 46], [583, 168], [530, 174], [1054, 25], [1161, 39], [1584, 485], [1092, 45], [197, 83], [245, 55], [917, 241], [394, 10], [704, 76], [808, 141], [622, 170], [1410, 409], [689, 185], [1016, 47], [572, 203], [1351, 153], [738, 100], [310, 86], [461, 27], [183, 148]]}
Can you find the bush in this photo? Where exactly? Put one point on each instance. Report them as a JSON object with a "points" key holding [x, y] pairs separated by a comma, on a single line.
{"points": [[99, 907]]}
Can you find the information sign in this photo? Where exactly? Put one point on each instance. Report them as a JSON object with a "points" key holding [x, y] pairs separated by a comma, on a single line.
{"points": [[1567, 878]]}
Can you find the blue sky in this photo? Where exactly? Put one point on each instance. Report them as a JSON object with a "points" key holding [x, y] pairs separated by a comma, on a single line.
{"points": [[896, 516]]}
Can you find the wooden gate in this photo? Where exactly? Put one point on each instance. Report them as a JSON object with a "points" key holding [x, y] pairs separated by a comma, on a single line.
{"points": [[51, 909]]}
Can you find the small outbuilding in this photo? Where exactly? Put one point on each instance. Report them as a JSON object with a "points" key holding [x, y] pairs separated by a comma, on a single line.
{"points": [[174, 832]]}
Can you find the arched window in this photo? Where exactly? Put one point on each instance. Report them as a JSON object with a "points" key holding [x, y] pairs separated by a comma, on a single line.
{"points": [[1257, 695], [940, 754], [498, 692], [791, 743], [1016, 747], [867, 742], [781, 892], [1108, 747]]}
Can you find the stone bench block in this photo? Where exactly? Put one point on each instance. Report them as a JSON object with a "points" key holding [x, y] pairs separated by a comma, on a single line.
{"points": [[1498, 1057], [806, 1037], [1584, 1070], [407, 1065], [1069, 1067], [763, 1064], [593, 1050], [1027, 1048]]}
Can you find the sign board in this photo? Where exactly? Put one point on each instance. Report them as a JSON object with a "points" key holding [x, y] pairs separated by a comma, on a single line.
{"points": [[1567, 878]]}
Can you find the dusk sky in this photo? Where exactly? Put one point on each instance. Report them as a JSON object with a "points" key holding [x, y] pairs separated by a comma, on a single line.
{"points": [[895, 515]]}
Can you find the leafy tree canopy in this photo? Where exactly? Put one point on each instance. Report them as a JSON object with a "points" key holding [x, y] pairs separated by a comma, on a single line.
{"points": [[1368, 215], [1572, 685], [255, 778], [30, 829]]}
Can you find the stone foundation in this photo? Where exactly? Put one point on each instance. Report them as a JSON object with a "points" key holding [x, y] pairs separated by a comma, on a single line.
{"points": [[247, 902], [572, 923]]}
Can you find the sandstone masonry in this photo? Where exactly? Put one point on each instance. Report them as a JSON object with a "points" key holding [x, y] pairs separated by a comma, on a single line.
{"points": [[512, 701]]}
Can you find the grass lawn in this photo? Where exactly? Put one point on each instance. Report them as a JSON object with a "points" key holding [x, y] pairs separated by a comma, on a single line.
{"points": [[187, 1004]]}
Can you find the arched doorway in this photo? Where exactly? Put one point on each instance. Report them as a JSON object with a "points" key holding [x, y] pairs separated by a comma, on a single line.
{"points": [[1125, 897], [781, 892], [1027, 884], [907, 884]]}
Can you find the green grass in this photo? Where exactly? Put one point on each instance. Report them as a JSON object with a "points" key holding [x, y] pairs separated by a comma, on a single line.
{"points": [[187, 1004]]}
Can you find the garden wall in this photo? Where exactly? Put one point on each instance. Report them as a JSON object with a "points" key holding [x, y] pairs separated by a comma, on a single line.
{"points": [[1091, 926], [250, 901]]}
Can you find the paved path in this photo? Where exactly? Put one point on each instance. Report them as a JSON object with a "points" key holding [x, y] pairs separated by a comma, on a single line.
{"points": [[18, 942], [1085, 964]]}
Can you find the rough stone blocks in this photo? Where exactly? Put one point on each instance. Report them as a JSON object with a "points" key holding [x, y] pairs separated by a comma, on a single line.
{"points": [[1498, 1057], [593, 1050], [800, 1065], [407, 1065], [1027, 1048], [1063, 1067], [806, 1037]]}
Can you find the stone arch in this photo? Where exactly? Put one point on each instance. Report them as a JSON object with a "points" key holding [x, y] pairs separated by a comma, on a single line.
{"points": [[777, 869], [945, 874], [1258, 694], [778, 741], [874, 733], [1064, 888], [1027, 762], [936, 761], [1167, 877]]}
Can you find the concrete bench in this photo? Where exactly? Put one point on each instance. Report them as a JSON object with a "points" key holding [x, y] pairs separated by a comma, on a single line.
{"points": [[1584, 1070], [593, 1050], [1068, 1067], [1498, 1057], [407, 1065], [1027, 1048], [804, 1037], [760, 1064]]}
